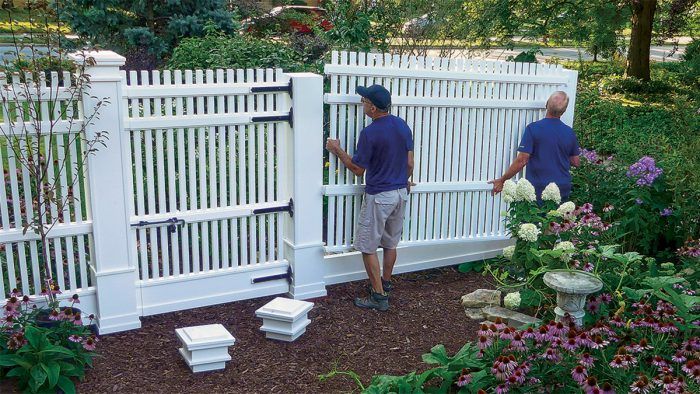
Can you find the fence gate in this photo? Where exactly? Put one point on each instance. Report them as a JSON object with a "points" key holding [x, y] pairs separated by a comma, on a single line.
{"points": [[467, 117], [205, 165]]}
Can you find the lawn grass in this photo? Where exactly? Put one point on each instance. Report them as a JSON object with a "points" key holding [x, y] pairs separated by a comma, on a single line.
{"points": [[21, 21]]}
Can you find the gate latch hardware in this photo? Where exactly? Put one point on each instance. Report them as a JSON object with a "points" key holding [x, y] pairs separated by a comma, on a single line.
{"points": [[283, 208], [287, 275], [173, 223]]}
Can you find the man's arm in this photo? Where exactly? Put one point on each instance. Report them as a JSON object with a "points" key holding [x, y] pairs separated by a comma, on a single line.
{"points": [[410, 171], [517, 166], [333, 146], [575, 161]]}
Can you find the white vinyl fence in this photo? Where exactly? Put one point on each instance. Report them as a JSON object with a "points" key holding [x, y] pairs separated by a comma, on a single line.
{"points": [[210, 188]]}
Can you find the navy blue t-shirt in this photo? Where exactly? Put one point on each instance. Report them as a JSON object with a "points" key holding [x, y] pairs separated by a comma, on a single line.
{"points": [[382, 150], [550, 143]]}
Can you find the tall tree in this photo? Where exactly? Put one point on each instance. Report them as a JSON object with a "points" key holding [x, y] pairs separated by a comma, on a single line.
{"points": [[640, 41]]}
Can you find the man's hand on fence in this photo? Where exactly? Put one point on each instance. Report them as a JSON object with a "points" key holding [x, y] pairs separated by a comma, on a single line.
{"points": [[333, 146], [497, 186], [409, 185]]}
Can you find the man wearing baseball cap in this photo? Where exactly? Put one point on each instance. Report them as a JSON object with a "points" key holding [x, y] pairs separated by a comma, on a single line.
{"points": [[385, 152]]}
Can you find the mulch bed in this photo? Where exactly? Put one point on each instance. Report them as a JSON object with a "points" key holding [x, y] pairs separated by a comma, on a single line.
{"points": [[425, 311]]}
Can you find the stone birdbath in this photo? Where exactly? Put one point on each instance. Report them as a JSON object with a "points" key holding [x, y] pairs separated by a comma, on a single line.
{"points": [[572, 287]]}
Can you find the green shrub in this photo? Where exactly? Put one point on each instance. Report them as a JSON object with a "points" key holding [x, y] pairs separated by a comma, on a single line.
{"points": [[221, 51], [629, 119]]}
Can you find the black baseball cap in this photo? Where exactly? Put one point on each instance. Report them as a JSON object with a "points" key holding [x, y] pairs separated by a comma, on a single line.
{"points": [[377, 94]]}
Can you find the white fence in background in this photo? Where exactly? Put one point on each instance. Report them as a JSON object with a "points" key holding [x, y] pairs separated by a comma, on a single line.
{"points": [[184, 206], [70, 239]]}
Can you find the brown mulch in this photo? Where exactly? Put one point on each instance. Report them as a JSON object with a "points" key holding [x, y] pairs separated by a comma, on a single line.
{"points": [[425, 310]]}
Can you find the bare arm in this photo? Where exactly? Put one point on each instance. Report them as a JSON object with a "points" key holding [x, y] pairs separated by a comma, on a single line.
{"points": [[517, 166], [333, 146], [410, 170], [575, 161]]}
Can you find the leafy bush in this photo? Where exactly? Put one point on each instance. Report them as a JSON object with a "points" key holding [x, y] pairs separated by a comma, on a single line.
{"points": [[44, 357], [628, 119], [221, 51]]}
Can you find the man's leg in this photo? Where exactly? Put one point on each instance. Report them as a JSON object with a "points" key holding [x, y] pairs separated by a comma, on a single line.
{"points": [[388, 263], [372, 267]]}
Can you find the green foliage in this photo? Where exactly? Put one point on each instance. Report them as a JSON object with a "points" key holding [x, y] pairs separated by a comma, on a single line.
{"points": [[220, 51], [42, 365], [529, 56], [157, 26], [628, 119]]}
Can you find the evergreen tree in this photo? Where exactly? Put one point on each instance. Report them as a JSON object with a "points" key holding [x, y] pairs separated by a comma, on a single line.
{"points": [[156, 26]]}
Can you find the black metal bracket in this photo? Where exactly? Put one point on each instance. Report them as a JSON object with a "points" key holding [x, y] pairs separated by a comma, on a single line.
{"points": [[283, 208], [281, 118], [287, 275], [173, 223], [271, 89]]}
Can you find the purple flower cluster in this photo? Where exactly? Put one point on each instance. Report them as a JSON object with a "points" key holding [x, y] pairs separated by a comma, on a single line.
{"points": [[645, 171], [666, 212], [590, 155]]}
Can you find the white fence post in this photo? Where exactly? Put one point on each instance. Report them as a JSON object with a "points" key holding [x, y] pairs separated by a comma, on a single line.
{"points": [[304, 240], [114, 274], [570, 90]]}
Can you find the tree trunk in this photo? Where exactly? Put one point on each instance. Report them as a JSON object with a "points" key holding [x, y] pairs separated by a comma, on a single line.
{"points": [[640, 42]]}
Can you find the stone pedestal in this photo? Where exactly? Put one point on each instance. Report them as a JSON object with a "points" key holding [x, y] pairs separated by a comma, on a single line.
{"points": [[572, 287], [284, 319], [205, 348]]}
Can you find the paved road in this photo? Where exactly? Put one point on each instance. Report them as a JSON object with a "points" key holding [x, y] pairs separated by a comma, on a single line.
{"points": [[658, 53]]}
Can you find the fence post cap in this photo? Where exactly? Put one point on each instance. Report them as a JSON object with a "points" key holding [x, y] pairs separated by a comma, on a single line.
{"points": [[99, 58]]}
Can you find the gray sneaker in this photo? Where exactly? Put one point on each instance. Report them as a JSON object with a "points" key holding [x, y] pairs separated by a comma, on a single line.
{"points": [[376, 301]]}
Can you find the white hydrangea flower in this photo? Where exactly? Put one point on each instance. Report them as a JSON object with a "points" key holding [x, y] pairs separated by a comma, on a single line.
{"points": [[512, 300], [508, 252], [528, 232], [551, 193], [566, 210], [525, 191], [508, 191], [568, 249]]}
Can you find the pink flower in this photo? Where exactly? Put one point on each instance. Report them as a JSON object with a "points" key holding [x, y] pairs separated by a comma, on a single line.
{"points": [[90, 343], [587, 360], [678, 357], [484, 342], [77, 319], [15, 293], [464, 380], [618, 362], [502, 388], [54, 315], [75, 299], [607, 388], [579, 374], [659, 361], [589, 384], [551, 355], [75, 338], [641, 385]]}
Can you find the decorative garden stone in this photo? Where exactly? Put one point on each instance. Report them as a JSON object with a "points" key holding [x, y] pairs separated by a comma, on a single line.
{"points": [[512, 318], [205, 348], [572, 287], [474, 313], [481, 297], [284, 319]]}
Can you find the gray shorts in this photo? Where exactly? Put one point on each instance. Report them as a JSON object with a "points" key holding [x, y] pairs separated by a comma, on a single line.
{"points": [[381, 221]]}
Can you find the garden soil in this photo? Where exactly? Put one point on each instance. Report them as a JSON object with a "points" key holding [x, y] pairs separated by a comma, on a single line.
{"points": [[425, 310]]}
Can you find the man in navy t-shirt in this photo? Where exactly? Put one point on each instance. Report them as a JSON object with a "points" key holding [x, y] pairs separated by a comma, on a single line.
{"points": [[549, 148], [385, 152]]}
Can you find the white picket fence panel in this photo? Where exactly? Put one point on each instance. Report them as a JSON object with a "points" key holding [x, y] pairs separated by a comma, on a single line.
{"points": [[467, 117], [204, 150], [55, 99]]}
